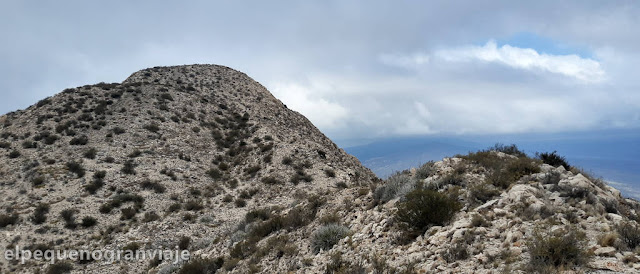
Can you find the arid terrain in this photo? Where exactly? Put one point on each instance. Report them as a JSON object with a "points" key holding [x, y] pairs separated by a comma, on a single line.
{"points": [[204, 158]]}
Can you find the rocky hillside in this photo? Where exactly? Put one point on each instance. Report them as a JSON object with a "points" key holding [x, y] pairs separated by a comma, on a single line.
{"points": [[204, 158], [173, 155]]}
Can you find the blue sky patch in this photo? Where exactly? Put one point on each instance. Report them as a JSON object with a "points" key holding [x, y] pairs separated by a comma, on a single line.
{"points": [[543, 45]]}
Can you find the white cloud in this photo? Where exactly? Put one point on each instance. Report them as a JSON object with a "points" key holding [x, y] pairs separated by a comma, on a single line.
{"points": [[404, 61], [308, 101], [583, 69]]}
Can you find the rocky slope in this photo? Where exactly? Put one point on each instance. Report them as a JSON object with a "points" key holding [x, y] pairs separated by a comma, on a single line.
{"points": [[204, 158], [171, 153]]}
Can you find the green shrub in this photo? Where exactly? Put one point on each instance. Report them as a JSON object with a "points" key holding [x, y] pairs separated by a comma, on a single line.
{"points": [[153, 127], [227, 198], [29, 144], [330, 173], [184, 242], [423, 208], [299, 176], [68, 216], [425, 171], [271, 180], [59, 267], [88, 221], [239, 202], [337, 265], [150, 217], [132, 246], [483, 192], [327, 236], [76, 167], [79, 141], [552, 177], [252, 170], [90, 153], [40, 214], [202, 266], [629, 233], [342, 185], [155, 186], [96, 184], [553, 159], [487, 159], [508, 174], [451, 179], [456, 252], [4, 144], [128, 213], [14, 154], [508, 149], [120, 199], [257, 215], [397, 185], [37, 181], [562, 248], [287, 161], [174, 207], [193, 205], [129, 167], [118, 130], [214, 173], [8, 219]]}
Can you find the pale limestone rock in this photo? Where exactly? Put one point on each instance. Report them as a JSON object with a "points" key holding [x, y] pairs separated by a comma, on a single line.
{"points": [[605, 251]]}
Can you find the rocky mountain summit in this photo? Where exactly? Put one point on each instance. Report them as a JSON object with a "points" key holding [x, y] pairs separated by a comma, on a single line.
{"points": [[205, 159]]}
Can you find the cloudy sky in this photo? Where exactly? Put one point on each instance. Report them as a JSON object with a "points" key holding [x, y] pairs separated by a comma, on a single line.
{"points": [[356, 69]]}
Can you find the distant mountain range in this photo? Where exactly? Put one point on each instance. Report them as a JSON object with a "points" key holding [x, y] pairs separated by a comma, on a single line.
{"points": [[613, 154]]}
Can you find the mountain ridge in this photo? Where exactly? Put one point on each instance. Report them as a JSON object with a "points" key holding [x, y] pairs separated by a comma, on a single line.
{"points": [[204, 158]]}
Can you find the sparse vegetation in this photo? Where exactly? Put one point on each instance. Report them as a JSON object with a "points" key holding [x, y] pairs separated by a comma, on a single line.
{"points": [[150, 217], [120, 199], [79, 141], [153, 127], [60, 267], [8, 219], [423, 208], [97, 183], [155, 186], [553, 159], [214, 173], [327, 236], [629, 233], [193, 205], [68, 216], [14, 154], [330, 173], [118, 130], [40, 214], [561, 248], [90, 153], [202, 266], [88, 221], [271, 180], [425, 171], [129, 167], [38, 181], [397, 185], [76, 167]]}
